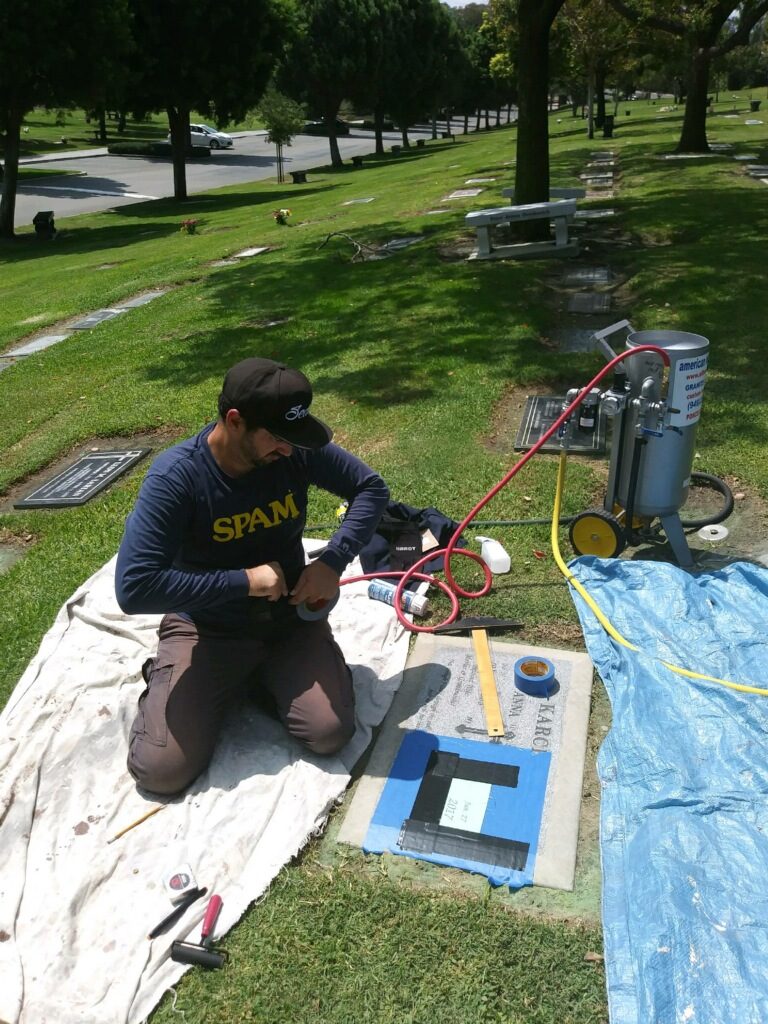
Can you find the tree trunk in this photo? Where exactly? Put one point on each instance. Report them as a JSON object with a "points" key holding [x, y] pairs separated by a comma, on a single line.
{"points": [[178, 119], [532, 167], [406, 141], [599, 96], [477, 122], [10, 173], [279, 162], [466, 124], [590, 105], [333, 141], [102, 125], [378, 121], [693, 137], [434, 124], [121, 121], [487, 118], [498, 117]]}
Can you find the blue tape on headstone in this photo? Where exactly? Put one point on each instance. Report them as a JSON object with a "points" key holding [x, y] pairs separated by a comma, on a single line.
{"points": [[465, 804]]}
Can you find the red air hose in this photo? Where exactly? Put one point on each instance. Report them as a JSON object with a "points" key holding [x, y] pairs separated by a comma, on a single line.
{"points": [[452, 588]]}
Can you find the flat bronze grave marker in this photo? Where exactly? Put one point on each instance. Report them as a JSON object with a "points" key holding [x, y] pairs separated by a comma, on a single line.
{"points": [[82, 480], [540, 413]]}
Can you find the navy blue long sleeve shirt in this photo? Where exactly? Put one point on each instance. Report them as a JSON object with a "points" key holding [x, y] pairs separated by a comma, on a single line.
{"points": [[194, 530]]}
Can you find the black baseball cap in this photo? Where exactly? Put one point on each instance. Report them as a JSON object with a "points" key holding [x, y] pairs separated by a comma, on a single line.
{"points": [[278, 399]]}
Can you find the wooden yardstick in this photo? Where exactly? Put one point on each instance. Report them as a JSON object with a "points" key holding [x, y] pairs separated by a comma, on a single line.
{"points": [[494, 723]]}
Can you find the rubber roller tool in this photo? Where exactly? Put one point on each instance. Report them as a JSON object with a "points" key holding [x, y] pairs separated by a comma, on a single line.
{"points": [[202, 953]]}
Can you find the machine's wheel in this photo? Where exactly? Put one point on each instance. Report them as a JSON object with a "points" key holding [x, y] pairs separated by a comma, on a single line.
{"points": [[597, 532], [214, 144]]}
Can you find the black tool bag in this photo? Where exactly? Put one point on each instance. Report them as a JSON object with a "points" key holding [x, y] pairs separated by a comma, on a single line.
{"points": [[404, 535]]}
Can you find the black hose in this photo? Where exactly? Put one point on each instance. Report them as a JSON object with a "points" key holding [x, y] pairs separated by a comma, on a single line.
{"points": [[709, 480], [634, 473], [474, 523]]}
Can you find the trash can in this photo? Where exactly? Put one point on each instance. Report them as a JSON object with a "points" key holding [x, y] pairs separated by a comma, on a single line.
{"points": [[608, 126], [44, 224], [754, 106]]}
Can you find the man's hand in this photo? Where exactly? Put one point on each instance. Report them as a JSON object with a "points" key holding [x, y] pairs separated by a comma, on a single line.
{"points": [[318, 582], [267, 581]]}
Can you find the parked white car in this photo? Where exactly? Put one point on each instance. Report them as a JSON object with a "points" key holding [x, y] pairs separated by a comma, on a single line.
{"points": [[204, 135]]}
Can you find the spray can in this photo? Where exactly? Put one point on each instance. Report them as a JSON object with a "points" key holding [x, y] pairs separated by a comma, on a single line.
{"points": [[383, 590]]}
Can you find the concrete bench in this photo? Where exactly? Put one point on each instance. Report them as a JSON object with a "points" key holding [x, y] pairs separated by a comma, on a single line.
{"points": [[554, 193], [559, 213]]}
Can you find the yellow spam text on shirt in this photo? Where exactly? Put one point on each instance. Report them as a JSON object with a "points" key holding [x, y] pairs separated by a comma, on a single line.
{"points": [[234, 527]]}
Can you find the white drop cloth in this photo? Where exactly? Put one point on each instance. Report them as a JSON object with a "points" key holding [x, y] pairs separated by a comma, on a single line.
{"points": [[75, 910]]}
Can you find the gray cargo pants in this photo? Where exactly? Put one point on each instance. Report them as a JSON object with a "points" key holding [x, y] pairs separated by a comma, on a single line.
{"points": [[194, 675]]}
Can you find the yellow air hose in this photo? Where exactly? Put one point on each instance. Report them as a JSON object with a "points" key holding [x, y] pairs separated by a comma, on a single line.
{"points": [[600, 616]]}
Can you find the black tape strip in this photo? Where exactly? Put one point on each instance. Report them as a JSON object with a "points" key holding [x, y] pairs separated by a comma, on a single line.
{"points": [[443, 767], [429, 838]]}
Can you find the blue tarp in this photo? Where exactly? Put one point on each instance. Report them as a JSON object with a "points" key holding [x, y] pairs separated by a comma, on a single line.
{"points": [[684, 774]]}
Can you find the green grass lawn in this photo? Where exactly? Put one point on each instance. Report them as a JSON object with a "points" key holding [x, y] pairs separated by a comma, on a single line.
{"points": [[412, 359]]}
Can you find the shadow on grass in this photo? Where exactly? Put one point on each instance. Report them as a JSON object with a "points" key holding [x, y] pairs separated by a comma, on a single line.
{"points": [[393, 317], [390, 317], [152, 220]]}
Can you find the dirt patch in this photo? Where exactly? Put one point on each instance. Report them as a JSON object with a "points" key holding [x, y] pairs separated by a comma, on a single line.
{"points": [[747, 526], [457, 249], [154, 439]]}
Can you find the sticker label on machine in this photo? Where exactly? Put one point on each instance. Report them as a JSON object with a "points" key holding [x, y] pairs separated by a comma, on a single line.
{"points": [[688, 390]]}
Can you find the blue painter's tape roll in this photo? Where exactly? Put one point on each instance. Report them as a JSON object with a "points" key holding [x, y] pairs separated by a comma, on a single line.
{"points": [[321, 610], [535, 676]]}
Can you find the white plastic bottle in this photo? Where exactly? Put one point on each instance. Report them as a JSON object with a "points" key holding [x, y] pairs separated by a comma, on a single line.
{"points": [[494, 555]]}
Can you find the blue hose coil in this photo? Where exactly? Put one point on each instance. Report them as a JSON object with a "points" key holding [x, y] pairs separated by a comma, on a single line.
{"points": [[535, 676]]}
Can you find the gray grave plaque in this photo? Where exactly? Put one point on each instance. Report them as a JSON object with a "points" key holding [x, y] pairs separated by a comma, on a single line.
{"points": [[574, 339], [587, 275], [86, 477], [396, 244], [38, 344], [255, 250], [140, 300], [594, 214], [94, 319], [589, 302], [540, 413]]}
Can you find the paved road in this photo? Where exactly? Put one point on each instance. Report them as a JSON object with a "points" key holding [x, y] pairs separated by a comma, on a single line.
{"points": [[111, 181]]}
